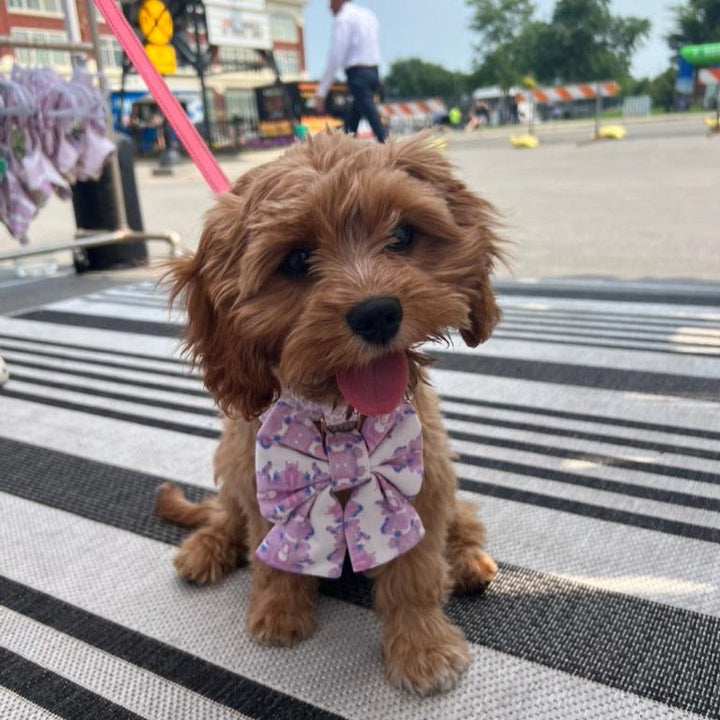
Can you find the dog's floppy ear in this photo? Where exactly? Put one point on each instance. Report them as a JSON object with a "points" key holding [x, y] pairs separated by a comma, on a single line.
{"points": [[484, 315], [235, 371], [476, 218]]}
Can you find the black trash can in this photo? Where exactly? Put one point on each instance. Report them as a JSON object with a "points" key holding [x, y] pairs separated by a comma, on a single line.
{"points": [[95, 209]]}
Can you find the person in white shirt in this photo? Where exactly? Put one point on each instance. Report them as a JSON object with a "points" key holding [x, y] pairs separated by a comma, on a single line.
{"points": [[355, 47]]}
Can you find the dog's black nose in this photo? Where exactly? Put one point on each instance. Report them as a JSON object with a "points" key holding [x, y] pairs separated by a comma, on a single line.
{"points": [[376, 319]]}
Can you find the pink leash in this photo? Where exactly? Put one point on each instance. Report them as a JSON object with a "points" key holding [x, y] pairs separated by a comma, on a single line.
{"points": [[175, 115]]}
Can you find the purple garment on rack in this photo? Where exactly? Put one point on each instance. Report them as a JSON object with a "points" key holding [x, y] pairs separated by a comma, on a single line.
{"points": [[96, 146], [52, 132], [19, 209], [31, 169], [97, 149], [36, 127]]}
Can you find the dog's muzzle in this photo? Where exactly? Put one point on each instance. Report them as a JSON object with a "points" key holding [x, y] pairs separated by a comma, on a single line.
{"points": [[376, 320]]}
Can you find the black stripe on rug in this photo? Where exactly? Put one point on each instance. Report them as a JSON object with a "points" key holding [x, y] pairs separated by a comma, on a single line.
{"points": [[591, 322], [638, 381], [606, 318], [100, 322], [59, 696], [124, 397], [623, 441], [206, 432], [92, 349], [645, 466], [653, 650], [585, 417], [597, 512], [545, 339], [99, 362], [614, 328], [110, 377], [96, 491], [205, 678]]}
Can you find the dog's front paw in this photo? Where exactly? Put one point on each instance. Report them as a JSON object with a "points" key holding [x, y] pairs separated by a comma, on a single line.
{"points": [[473, 571], [205, 556], [276, 623], [425, 655]]}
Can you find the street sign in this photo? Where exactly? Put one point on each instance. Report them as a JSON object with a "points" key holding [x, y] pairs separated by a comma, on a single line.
{"points": [[238, 23], [702, 55]]}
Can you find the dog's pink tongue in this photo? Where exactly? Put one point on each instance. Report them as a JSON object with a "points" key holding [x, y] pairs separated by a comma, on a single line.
{"points": [[376, 388]]}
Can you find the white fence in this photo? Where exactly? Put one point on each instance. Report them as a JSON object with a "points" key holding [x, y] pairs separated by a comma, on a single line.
{"points": [[636, 106]]}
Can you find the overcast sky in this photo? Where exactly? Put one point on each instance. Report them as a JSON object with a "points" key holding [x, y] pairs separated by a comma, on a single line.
{"points": [[437, 31]]}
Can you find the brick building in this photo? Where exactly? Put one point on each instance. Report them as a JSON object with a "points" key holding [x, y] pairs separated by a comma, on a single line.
{"points": [[229, 81]]}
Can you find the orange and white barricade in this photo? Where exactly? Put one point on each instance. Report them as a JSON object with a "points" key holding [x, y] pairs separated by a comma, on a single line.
{"points": [[566, 93], [709, 76], [412, 114]]}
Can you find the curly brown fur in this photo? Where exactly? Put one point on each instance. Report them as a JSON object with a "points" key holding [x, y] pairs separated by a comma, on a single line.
{"points": [[255, 332]]}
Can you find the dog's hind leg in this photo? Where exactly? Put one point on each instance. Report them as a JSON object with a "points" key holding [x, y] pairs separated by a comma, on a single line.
{"points": [[172, 505], [214, 548], [471, 568]]}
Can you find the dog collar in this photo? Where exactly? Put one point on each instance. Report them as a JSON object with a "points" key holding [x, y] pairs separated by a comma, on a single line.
{"points": [[305, 454]]}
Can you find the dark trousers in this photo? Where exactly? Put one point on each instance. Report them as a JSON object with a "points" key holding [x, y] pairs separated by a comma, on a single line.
{"points": [[363, 83]]}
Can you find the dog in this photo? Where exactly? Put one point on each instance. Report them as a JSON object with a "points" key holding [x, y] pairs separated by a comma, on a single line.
{"points": [[337, 257]]}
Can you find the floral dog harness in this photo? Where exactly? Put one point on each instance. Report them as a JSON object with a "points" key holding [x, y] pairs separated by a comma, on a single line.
{"points": [[305, 453]]}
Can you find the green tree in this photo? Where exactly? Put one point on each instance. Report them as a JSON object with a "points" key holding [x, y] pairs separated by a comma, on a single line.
{"points": [[696, 22], [583, 41], [498, 22], [587, 42], [415, 78], [662, 89], [502, 27]]}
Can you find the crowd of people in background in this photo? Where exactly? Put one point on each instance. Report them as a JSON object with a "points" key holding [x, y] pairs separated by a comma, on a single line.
{"points": [[481, 114]]}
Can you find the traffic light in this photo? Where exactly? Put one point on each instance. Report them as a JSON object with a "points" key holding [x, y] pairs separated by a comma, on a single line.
{"points": [[156, 27]]}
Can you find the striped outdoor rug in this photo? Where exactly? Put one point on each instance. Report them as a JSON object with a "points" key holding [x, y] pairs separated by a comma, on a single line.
{"points": [[587, 430]]}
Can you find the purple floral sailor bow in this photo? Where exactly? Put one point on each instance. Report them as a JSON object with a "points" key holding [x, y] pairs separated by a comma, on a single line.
{"points": [[299, 470]]}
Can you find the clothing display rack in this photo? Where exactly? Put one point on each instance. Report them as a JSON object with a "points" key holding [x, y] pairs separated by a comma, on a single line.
{"points": [[85, 238]]}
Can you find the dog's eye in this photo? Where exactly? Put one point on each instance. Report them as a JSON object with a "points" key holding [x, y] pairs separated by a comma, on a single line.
{"points": [[403, 235], [295, 263]]}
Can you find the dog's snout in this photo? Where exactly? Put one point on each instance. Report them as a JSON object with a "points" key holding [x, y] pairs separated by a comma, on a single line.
{"points": [[376, 319]]}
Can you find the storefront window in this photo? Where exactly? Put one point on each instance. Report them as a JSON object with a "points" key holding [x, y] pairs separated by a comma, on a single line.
{"points": [[43, 6], [283, 27], [288, 62], [236, 58], [111, 52], [48, 58], [241, 104]]}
